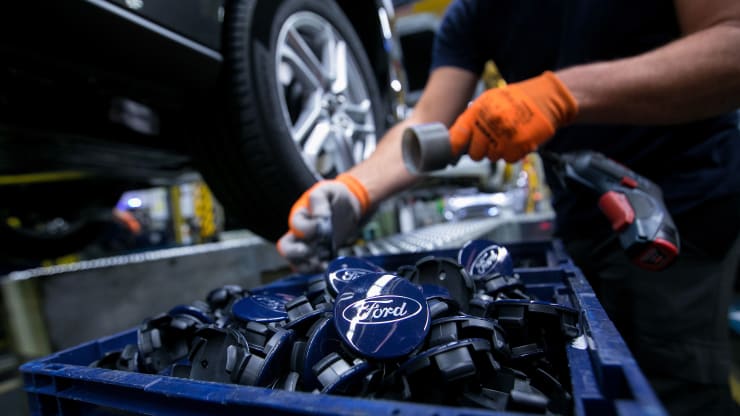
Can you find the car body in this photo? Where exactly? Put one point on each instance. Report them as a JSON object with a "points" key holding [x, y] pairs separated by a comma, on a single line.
{"points": [[103, 95]]}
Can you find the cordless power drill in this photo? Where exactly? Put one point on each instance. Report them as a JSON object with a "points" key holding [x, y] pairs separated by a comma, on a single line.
{"points": [[633, 204]]}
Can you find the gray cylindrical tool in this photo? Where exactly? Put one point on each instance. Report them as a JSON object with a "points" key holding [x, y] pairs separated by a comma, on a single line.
{"points": [[426, 147]]}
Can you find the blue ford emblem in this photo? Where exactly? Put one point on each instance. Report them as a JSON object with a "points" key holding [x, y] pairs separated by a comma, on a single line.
{"points": [[261, 307], [347, 275], [482, 258], [346, 269], [381, 316], [381, 310]]}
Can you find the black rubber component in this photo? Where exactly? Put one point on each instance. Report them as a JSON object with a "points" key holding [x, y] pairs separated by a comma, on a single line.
{"points": [[302, 314], [529, 400], [338, 375], [442, 333], [222, 296], [527, 352], [165, 339], [218, 355], [522, 396], [515, 314], [297, 356], [316, 287], [256, 156], [439, 374], [322, 339], [257, 334], [406, 271], [290, 382], [504, 287], [446, 273], [108, 361], [456, 364], [561, 401], [265, 365], [298, 307], [486, 398], [129, 359], [479, 305], [440, 308], [180, 370], [450, 329]]}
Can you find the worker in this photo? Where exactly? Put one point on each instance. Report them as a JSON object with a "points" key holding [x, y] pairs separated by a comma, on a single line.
{"points": [[654, 85]]}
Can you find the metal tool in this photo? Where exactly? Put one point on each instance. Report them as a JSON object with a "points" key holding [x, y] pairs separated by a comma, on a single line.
{"points": [[632, 203], [326, 247], [427, 147]]}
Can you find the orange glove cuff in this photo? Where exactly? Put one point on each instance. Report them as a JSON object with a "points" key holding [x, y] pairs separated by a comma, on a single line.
{"points": [[300, 203], [357, 189]]}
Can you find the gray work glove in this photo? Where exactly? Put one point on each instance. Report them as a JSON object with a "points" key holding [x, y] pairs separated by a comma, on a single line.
{"points": [[327, 214]]}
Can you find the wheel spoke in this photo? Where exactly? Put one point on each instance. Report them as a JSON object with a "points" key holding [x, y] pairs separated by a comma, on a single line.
{"points": [[358, 150], [329, 52], [358, 111], [343, 153], [340, 67], [304, 52], [315, 142], [308, 118], [300, 69], [364, 128], [368, 146]]}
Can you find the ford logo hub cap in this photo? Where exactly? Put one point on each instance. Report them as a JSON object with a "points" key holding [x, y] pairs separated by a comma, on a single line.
{"points": [[483, 258], [382, 316], [261, 307], [346, 269]]}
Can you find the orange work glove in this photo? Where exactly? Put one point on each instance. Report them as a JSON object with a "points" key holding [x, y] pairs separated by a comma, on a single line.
{"points": [[342, 201], [511, 121]]}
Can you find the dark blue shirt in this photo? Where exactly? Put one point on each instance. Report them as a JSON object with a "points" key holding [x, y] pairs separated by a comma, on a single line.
{"points": [[691, 162]]}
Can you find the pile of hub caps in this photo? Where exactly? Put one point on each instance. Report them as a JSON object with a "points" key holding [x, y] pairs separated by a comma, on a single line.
{"points": [[457, 332]]}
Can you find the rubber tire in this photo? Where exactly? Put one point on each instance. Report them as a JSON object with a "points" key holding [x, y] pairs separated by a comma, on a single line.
{"points": [[255, 170]]}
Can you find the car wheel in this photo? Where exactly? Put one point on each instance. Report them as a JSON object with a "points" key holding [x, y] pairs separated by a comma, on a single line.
{"points": [[303, 105]]}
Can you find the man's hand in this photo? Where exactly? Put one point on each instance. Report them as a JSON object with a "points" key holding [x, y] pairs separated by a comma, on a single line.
{"points": [[340, 202], [509, 122]]}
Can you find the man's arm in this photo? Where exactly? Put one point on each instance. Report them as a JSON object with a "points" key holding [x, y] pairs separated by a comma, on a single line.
{"points": [[445, 96], [691, 78], [348, 197]]}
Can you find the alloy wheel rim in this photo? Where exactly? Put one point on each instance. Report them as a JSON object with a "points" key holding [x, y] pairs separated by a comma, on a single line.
{"points": [[323, 98]]}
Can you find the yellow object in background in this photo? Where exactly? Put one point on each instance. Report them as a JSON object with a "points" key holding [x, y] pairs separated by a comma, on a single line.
{"points": [[492, 77], [41, 177], [535, 192], [205, 211], [13, 222], [68, 259], [431, 6]]}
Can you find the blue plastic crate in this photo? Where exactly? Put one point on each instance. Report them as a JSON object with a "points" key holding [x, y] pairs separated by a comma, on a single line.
{"points": [[604, 376]]}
